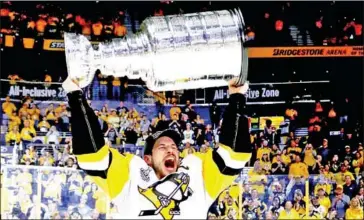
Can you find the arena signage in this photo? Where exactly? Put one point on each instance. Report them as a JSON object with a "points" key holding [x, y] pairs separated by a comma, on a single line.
{"points": [[294, 52], [6, 154], [58, 45], [255, 93], [253, 52], [6, 149], [36, 91]]}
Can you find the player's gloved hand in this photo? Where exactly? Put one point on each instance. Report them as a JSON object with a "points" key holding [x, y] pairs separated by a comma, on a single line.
{"points": [[234, 89]]}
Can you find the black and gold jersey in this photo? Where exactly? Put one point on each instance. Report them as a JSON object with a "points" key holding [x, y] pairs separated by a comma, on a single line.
{"points": [[134, 187]]}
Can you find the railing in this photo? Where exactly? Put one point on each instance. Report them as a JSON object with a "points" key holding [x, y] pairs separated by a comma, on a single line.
{"points": [[12, 155], [25, 194]]}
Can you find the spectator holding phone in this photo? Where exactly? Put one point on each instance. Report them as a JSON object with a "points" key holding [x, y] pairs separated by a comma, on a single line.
{"points": [[340, 201]]}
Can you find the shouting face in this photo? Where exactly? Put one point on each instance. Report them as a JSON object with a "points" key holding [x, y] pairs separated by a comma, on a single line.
{"points": [[165, 157]]}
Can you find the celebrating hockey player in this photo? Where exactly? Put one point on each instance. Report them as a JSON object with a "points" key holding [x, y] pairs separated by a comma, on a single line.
{"points": [[161, 186]]}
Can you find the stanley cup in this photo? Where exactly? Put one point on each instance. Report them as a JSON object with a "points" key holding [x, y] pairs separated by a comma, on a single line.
{"points": [[176, 52]]}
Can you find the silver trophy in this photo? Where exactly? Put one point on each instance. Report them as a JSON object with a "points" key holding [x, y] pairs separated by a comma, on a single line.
{"points": [[176, 52]]}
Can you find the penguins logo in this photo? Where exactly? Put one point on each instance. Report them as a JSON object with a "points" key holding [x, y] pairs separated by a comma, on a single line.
{"points": [[166, 195]]}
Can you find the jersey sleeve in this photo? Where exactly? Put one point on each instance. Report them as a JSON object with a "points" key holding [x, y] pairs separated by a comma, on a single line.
{"points": [[109, 168], [222, 165]]}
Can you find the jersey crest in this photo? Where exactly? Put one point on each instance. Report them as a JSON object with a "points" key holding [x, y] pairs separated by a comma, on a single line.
{"points": [[166, 195]]}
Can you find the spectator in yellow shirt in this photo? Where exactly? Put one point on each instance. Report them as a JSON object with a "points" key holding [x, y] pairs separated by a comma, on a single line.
{"points": [[47, 80], [13, 79], [49, 108], [116, 83], [299, 204], [293, 149], [23, 111], [288, 212], [134, 114], [310, 153], [27, 156], [114, 119], [327, 173], [340, 176], [51, 117], [31, 121], [34, 111], [188, 150], [266, 164], [323, 184], [8, 107], [298, 169], [44, 126], [24, 179], [13, 137], [354, 211], [285, 157], [230, 207], [101, 201], [358, 163], [175, 110], [60, 108], [257, 178], [205, 149], [46, 159], [263, 150], [323, 199], [27, 133], [360, 150], [14, 121]]}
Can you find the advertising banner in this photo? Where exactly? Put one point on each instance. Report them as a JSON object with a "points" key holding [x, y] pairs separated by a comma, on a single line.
{"points": [[253, 52], [275, 92], [255, 93], [58, 45], [38, 91], [295, 52]]}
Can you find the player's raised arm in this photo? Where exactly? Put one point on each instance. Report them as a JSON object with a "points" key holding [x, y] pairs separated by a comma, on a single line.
{"points": [[234, 141], [223, 164], [93, 155]]}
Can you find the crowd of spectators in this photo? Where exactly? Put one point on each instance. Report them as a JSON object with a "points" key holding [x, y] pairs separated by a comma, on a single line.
{"points": [[51, 20], [329, 23], [276, 186]]}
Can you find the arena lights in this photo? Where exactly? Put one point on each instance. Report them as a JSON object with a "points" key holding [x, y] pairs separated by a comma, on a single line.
{"points": [[176, 52]]}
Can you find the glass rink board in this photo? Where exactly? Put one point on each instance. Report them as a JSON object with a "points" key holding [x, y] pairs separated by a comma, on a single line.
{"points": [[35, 192]]}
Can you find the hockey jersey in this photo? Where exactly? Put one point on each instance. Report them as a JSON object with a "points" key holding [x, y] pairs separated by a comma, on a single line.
{"points": [[133, 186], [187, 194]]}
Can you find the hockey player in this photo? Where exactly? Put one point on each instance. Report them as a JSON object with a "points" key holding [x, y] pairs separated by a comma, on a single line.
{"points": [[161, 186]]}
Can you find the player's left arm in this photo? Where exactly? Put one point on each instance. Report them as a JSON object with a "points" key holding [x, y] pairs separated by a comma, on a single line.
{"points": [[222, 165]]}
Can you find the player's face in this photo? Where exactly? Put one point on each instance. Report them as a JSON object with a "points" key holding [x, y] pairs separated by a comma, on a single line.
{"points": [[164, 159]]}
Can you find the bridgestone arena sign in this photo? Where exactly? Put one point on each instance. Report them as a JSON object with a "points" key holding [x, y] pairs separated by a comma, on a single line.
{"points": [[295, 52]]}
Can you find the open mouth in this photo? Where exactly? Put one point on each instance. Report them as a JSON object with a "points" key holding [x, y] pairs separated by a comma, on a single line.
{"points": [[170, 163]]}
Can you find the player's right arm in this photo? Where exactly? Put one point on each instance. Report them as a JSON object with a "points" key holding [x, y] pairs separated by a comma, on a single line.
{"points": [[109, 168]]}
